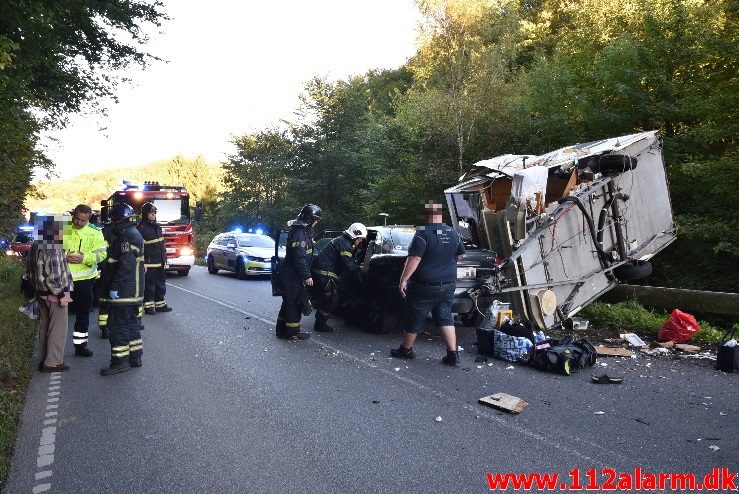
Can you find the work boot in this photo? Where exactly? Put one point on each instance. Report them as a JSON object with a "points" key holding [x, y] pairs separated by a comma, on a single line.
{"points": [[451, 358], [164, 308], [403, 352], [116, 367], [150, 310], [82, 351], [300, 335], [105, 333], [135, 362]]}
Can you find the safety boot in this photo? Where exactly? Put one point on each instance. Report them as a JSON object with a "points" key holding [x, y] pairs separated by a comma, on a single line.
{"points": [[164, 308], [116, 366], [135, 362], [150, 310], [403, 352], [82, 351], [323, 328], [451, 359], [104, 333]]}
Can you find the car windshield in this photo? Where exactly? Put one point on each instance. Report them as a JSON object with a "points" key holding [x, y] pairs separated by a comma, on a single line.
{"points": [[170, 211], [22, 238], [402, 238], [256, 241]]}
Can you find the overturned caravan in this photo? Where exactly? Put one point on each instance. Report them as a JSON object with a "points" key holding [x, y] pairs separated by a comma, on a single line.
{"points": [[570, 224]]}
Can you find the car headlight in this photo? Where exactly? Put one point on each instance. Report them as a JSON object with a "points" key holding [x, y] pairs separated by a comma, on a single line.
{"points": [[186, 251], [9, 252]]}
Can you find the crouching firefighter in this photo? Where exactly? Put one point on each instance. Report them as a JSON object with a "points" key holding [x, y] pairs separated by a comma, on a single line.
{"points": [[155, 258], [123, 286], [295, 274], [330, 269]]}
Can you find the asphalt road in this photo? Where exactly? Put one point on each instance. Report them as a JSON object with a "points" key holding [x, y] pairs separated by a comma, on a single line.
{"points": [[222, 406]]}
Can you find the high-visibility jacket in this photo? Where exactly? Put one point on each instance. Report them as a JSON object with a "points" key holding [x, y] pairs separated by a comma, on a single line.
{"points": [[88, 240]]}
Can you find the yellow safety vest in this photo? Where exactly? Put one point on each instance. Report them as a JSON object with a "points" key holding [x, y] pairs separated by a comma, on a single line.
{"points": [[88, 240]]}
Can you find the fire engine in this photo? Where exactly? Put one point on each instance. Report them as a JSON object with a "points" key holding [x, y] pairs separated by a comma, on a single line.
{"points": [[173, 215]]}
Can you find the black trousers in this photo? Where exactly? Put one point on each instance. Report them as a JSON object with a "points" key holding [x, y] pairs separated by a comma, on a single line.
{"points": [[155, 288], [291, 310], [325, 296], [125, 332], [82, 296]]}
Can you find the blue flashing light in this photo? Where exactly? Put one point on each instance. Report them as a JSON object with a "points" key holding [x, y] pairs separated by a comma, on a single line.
{"points": [[26, 228], [259, 231], [249, 230], [236, 230]]}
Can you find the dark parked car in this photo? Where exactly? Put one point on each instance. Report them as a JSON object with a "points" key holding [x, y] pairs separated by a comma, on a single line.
{"points": [[375, 303]]}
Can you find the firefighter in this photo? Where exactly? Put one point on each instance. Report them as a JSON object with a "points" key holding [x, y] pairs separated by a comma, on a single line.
{"points": [[109, 235], [295, 274], [85, 248], [155, 258], [334, 263], [123, 287]]}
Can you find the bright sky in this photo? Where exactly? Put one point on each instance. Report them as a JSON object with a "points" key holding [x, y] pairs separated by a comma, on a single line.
{"points": [[234, 66]]}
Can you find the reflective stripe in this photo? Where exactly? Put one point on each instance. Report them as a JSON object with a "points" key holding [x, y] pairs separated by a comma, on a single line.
{"points": [[75, 334], [326, 273], [135, 248], [111, 260], [309, 251], [100, 254], [86, 274], [160, 303], [346, 253], [140, 311], [153, 241], [120, 351], [135, 345], [149, 304], [102, 317], [292, 324], [79, 338], [157, 265]]}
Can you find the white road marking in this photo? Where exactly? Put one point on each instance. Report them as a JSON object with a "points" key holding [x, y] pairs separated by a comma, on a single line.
{"points": [[548, 440], [47, 443]]}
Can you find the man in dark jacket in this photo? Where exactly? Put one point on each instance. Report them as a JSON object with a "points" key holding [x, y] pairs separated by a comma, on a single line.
{"points": [[123, 284], [155, 258], [295, 274], [335, 261]]}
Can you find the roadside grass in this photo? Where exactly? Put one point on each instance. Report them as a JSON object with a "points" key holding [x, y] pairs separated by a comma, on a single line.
{"points": [[17, 334], [634, 317]]}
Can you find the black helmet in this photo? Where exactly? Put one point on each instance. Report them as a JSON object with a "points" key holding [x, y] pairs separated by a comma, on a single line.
{"points": [[309, 214], [148, 208], [121, 212]]}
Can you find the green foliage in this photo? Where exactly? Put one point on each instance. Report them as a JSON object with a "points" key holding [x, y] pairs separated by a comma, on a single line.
{"points": [[633, 317], [16, 345]]}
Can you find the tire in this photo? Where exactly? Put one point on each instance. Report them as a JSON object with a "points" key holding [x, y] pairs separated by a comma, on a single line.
{"points": [[212, 269], [378, 319], [240, 273], [472, 319], [633, 270], [183, 272]]}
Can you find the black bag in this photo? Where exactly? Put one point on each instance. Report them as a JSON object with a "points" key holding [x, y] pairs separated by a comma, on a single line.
{"points": [[27, 288], [728, 356], [564, 356]]}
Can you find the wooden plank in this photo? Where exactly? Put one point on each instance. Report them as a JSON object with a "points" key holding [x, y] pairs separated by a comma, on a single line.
{"points": [[613, 352], [503, 401], [671, 298], [687, 348]]}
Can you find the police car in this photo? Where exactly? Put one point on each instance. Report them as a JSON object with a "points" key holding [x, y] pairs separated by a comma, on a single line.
{"points": [[245, 254]]}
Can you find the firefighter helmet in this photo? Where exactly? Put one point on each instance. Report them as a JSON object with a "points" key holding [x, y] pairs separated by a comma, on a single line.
{"points": [[121, 212], [147, 208], [309, 214], [356, 230]]}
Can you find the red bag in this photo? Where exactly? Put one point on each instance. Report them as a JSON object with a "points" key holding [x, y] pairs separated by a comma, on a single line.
{"points": [[679, 327]]}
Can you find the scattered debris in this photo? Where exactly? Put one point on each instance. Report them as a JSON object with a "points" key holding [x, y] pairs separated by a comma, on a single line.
{"points": [[481, 359], [375, 401], [667, 344], [641, 421], [510, 367], [714, 447], [505, 402], [599, 413], [614, 352], [606, 379], [656, 351], [439, 419], [703, 355], [397, 369], [687, 348], [579, 324], [723, 414], [633, 339]]}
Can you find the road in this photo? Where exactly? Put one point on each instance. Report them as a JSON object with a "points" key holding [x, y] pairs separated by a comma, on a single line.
{"points": [[222, 406]]}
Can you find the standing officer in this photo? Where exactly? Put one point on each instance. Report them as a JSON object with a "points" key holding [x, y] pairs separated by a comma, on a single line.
{"points": [[85, 247], [428, 283], [123, 283], [155, 257], [334, 262], [295, 274]]}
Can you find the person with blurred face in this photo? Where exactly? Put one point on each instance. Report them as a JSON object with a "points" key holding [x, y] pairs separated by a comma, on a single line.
{"points": [[51, 277]]}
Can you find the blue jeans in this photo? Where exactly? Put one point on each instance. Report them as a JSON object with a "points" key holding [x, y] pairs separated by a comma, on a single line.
{"points": [[420, 300]]}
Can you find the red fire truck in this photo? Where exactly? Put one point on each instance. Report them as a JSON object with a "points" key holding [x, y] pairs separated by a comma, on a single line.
{"points": [[173, 214]]}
